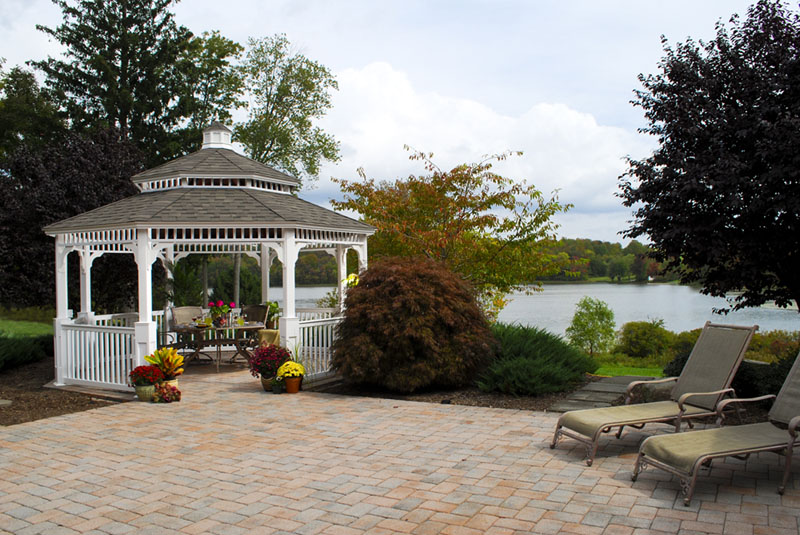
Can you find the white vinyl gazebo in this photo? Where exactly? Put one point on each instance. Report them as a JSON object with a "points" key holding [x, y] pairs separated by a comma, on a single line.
{"points": [[213, 201]]}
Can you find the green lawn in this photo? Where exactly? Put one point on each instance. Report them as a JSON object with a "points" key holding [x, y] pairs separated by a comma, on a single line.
{"points": [[614, 371], [24, 328]]}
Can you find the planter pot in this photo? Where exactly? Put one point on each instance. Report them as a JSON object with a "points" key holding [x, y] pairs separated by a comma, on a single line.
{"points": [[145, 393], [171, 382], [266, 383], [292, 384]]}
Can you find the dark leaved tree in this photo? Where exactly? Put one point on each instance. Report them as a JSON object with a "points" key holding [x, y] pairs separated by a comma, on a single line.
{"points": [[42, 185], [720, 196], [409, 324]]}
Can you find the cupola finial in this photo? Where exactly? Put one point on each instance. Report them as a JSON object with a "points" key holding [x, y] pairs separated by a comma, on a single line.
{"points": [[217, 136]]}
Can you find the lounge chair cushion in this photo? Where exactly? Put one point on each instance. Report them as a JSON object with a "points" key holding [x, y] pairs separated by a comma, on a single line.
{"points": [[587, 422], [682, 451]]}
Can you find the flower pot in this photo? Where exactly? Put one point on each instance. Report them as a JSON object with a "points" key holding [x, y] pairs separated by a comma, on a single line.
{"points": [[145, 392], [292, 384], [171, 382], [266, 383]]}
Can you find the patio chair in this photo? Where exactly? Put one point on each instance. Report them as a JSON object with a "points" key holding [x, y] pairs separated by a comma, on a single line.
{"points": [[184, 336], [254, 313], [683, 455], [705, 378]]}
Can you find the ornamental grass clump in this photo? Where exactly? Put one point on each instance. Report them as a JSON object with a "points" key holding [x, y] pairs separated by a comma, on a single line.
{"points": [[531, 361], [410, 324], [145, 376], [168, 361], [266, 360]]}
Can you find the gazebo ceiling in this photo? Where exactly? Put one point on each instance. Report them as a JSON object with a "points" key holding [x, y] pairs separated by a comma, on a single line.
{"points": [[198, 206]]}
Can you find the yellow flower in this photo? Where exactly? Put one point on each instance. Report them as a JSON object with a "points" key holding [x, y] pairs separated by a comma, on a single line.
{"points": [[291, 368]]}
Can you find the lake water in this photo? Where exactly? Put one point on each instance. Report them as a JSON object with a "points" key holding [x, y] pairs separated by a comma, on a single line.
{"points": [[682, 308]]}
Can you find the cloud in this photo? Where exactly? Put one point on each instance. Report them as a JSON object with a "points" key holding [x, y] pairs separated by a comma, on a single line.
{"points": [[378, 110]]}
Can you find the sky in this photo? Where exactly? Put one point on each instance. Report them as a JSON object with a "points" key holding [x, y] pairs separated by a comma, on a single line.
{"points": [[462, 79]]}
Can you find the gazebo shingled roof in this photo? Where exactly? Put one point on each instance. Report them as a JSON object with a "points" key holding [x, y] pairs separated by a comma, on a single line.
{"points": [[191, 206], [214, 162]]}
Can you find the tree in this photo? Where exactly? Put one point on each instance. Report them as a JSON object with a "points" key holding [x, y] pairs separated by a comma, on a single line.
{"points": [[592, 328], [619, 268], [287, 93], [129, 66], [39, 186], [720, 196], [27, 114], [212, 85], [492, 230], [409, 324]]}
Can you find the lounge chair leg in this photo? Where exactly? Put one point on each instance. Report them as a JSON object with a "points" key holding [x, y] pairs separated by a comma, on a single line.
{"points": [[637, 467], [619, 433], [556, 436], [787, 471], [687, 487], [591, 451]]}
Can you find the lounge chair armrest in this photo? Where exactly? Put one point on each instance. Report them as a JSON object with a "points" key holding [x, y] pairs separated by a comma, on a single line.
{"points": [[725, 402], [794, 423], [634, 384], [687, 395]]}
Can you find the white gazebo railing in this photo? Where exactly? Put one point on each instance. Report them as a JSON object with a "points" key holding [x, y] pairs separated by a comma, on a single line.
{"points": [[314, 348], [98, 355]]}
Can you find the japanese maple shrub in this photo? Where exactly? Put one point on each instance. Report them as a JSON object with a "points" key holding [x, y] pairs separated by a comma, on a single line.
{"points": [[410, 324]]}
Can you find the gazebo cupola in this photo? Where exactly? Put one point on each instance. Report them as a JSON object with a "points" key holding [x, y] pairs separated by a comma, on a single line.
{"points": [[212, 201]]}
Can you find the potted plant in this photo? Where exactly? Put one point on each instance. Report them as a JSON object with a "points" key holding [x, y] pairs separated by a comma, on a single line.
{"points": [[265, 362], [169, 362], [292, 373], [144, 379], [273, 311], [219, 310], [166, 393]]}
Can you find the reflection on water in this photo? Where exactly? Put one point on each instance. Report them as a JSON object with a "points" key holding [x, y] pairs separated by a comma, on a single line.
{"points": [[682, 308]]}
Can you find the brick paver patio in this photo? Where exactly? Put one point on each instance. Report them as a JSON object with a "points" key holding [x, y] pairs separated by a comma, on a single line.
{"points": [[233, 459]]}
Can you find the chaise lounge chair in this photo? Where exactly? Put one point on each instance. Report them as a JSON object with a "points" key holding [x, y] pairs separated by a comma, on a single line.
{"points": [[705, 378], [684, 454]]}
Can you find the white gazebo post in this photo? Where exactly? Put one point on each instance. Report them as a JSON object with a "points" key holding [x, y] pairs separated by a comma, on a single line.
{"points": [[341, 274], [145, 328], [289, 325], [266, 259], [87, 259], [62, 310]]}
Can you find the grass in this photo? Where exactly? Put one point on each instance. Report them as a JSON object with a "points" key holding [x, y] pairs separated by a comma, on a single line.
{"points": [[614, 371], [614, 364], [24, 328]]}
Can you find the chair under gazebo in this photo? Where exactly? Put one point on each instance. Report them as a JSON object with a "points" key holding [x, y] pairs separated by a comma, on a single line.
{"points": [[213, 201]]}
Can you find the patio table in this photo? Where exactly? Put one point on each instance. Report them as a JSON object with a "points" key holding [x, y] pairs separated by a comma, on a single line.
{"points": [[219, 337]]}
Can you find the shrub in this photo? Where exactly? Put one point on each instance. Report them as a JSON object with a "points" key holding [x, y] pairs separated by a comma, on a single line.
{"points": [[531, 361], [644, 339], [773, 346], [592, 327], [411, 324], [18, 350]]}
